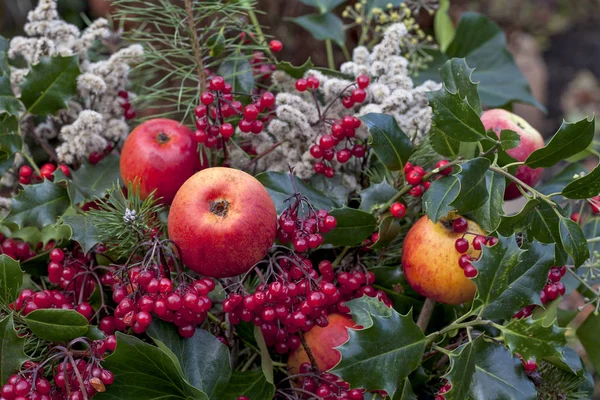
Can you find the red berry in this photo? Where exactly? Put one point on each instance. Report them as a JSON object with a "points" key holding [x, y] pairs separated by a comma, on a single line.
{"points": [[257, 127], [129, 114], [217, 83], [554, 274], [479, 241], [543, 297], [358, 151], [444, 171], [359, 95], [362, 81], [413, 177], [344, 155], [492, 241], [276, 46], [313, 82], [200, 136], [470, 271], [200, 111], [561, 288], [301, 85], [25, 171], [464, 260], [326, 142], [398, 210], [316, 151], [329, 172], [57, 255], [207, 98], [226, 130], [530, 365], [551, 292], [416, 191], [245, 126], [65, 170], [347, 102], [460, 225], [461, 245], [268, 99], [250, 112]]}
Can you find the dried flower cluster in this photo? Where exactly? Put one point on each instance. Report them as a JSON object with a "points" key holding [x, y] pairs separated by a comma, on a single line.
{"points": [[392, 92]]}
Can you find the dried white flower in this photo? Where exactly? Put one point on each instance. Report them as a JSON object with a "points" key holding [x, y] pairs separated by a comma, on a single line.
{"points": [[129, 216], [90, 84]]}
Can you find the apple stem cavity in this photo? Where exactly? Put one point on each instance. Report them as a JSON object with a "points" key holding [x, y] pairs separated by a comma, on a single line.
{"points": [[219, 208], [162, 138]]}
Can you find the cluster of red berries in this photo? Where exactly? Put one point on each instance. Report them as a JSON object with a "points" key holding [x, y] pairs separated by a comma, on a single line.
{"points": [[16, 249], [444, 389], [29, 301], [26, 175], [149, 292], [97, 156], [262, 68], [553, 289], [414, 176], [324, 385], [217, 104], [460, 225], [128, 112], [71, 272], [304, 231]]}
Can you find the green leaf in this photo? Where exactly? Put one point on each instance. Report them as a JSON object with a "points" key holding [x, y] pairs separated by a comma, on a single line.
{"points": [[473, 191], [8, 102], [587, 333], [442, 143], [145, 372], [10, 141], [11, 279], [251, 384], [334, 187], [57, 233], [295, 72], [57, 325], [570, 139], [456, 76], [573, 240], [591, 229], [28, 234], [510, 278], [517, 222], [11, 349], [562, 178], [489, 215], [462, 371], [543, 224], [50, 84], [323, 27], [439, 196], [364, 308], [393, 346], [585, 187], [203, 358], [39, 205], [389, 142], [509, 139], [376, 195], [236, 70], [280, 187], [443, 26], [533, 340], [83, 231], [93, 181], [266, 363], [405, 391], [389, 229], [324, 6], [353, 226]]}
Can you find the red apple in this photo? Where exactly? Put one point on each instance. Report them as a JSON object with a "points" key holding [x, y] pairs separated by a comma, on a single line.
{"points": [[531, 140], [322, 343], [430, 261], [161, 154], [223, 221]]}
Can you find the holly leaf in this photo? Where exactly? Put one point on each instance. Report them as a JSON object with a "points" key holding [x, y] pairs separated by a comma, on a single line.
{"points": [[12, 354], [570, 139], [8, 102], [473, 191], [462, 371], [509, 139], [376, 195], [512, 223], [83, 231], [266, 363], [236, 70], [38, 205], [442, 143], [573, 240], [389, 229], [57, 325], [405, 391], [489, 214], [353, 226], [438, 198], [93, 181], [585, 187], [510, 278], [324, 6], [393, 346], [57, 233], [50, 84], [457, 78], [280, 187], [323, 27], [533, 340], [11, 279], [251, 384], [203, 358], [389, 142], [363, 308], [145, 372], [295, 72], [334, 188]]}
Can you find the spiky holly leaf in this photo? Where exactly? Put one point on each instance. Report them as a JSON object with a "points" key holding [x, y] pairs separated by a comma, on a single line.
{"points": [[11, 349], [473, 191], [484, 370], [439, 196], [531, 339], [442, 143], [489, 214], [93, 181], [39, 205], [237, 72], [405, 391], [353, 226], [11, 279], [585, 187], [393, 345], [323, 27], [376, 195], [457, 78], [83, 231], [389, 142], [510, 224], [389, 229], [363, 308], [251, 384], [50, 84], [57, 325], [510, 278]]}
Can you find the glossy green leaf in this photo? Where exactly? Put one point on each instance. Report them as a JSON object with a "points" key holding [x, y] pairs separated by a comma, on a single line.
{"points": [[280, 187], [295, 72], [11, 279], [510, 278], [28, 234], [393, 346], [8, 102], [509, 139], [266, 363], [364, 308], [83, 231], [473, 191], [251, 384], [442, 143], [389, 229], [376, 195], [543, 224], [323, 27], [12, 354], [557, 182], [236, 71], [389, 142], [203, 358], [489, 214], [585, 187], [145, 372], [591, 229], [39, 205], [50, 84], [456, 76], [517, 222], [587, 333], [570, 139], [334, 187], [57, 325], [93, 181], [353, 226], [439, 196], [324, 6], [60, 234], [462, 371], [443, 25], [533, 340], [573, 240]]}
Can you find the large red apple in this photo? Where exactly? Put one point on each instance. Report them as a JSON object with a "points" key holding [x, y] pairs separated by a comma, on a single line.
{"points": [[223, 221], [430, 261], [531, 140], [322, 343], [160, 154]]}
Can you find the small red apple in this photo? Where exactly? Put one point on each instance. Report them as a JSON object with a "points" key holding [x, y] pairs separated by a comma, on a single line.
{"points": [[322, 343], [161, 154], [531, 140], [430, 260], [223, 221]]}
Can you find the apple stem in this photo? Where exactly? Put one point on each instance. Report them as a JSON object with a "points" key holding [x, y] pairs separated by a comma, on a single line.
{"points": [[425, 314], [313, 362]]}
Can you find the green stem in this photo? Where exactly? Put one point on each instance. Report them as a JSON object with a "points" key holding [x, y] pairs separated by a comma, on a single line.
{"points": [[340, 257], [519, 182], [346, 53], [517, 163], [29, 159], [452, 327], [594, 240], [329, 47]]}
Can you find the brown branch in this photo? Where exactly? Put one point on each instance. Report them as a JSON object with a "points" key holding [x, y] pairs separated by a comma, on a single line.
{"points": [[195, 45], [425, 314], [44, 145], [313, 361]]}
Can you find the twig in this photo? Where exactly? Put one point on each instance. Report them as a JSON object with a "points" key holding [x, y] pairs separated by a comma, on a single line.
{"points": [[425, 314], [313, 362], [195, 45]]}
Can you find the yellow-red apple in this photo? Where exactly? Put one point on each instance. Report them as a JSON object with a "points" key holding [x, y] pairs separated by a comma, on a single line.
{"points": [[531, 140], [223, 221], [430, 260]]}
